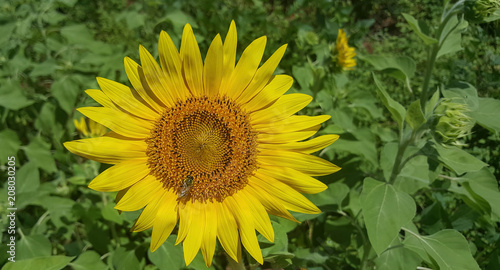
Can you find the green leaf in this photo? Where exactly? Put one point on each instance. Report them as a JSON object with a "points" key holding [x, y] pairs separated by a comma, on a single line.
{"points": [[89, 260], [403, 66], [397, 110], [33, 246], [387, 157], [414, 175], [124, 259], [415, 117], [420, 29], [46, 120], [451, 36], [167, 256], [464, 91], [446, 249], [38, 152], [45, 263], [457, 159], [30, 178], [66, 90], [12, 95], [280, 241], [482, 183], [334, 195], [9, 146], [111, 214], [385, 211], [48, 67], [398, 258], [6, 30], [487, 114], [59, 209], [431, 105]]}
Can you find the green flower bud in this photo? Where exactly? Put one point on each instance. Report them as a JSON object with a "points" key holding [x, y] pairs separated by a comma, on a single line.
{"points": [[479, 11], [452, 121]]}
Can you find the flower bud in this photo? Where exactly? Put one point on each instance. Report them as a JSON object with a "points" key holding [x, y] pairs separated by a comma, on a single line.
{"points": [[452, 121]]}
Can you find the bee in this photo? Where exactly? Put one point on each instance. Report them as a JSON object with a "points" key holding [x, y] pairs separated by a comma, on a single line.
{"points": [[187, 183]]}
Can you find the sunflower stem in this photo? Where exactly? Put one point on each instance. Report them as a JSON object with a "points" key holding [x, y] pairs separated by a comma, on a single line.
{"points": [[234, 265]]}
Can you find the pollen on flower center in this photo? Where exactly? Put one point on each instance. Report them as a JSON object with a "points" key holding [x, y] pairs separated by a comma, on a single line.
{"points": [[206, 139]]}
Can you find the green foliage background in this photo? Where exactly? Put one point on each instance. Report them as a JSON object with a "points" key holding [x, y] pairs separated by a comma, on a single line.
{"points": [[444, 199]]}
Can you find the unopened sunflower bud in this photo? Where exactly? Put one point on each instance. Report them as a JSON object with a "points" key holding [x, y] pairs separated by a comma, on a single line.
{"points": [[479, 11], [452, 121]]}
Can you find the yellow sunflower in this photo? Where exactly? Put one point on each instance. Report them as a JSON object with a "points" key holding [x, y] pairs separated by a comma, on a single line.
{"points": [[345, 54], [212, 146], [93, 129]]}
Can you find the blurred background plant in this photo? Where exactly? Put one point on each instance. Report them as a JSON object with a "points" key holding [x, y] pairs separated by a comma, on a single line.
{"points": [[436, 72]]}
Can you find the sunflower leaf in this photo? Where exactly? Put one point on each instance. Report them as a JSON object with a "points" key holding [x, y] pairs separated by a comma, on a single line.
{"points": [[397, 110], [385, 211]]}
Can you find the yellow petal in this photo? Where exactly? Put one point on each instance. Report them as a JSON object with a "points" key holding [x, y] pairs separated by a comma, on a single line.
{"points": [[290, 198], [156, 78], [165, 221], [127, 98], [227, 231], [108, 150], [245, 69], [270, 203], [184, 221], [194, 237], [291, 124], [191, 61], [139, 194], [306, 147], [212, 71], [101, 98], [136, 76], [229, 54], [148, 215], [269, 138], [262, 76], [293, 178], [275, 89], [210, 234], [309, 164], [172, 66], [284, 107], [81, 126], [118, 121], [121, 175], [246, 227], [258, 212]]}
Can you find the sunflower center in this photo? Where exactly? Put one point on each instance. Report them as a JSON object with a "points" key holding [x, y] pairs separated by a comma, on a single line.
{"points": [[203, 148]]}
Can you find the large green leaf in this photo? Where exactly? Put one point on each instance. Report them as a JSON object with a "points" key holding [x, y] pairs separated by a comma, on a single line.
{"points": [[29, 178], [421, 29], [482, 183], [397, 110], [451, 36], [463, 91], [397, 258], [457, 159], [167, 256], [402, 67], [385, 211], [124, 259], [414, 175], [39, 152], [9, 146], [66, 90], [45, 263], [89, 260], [487, 114], [12, 95], [33, 246], [446, 249]]}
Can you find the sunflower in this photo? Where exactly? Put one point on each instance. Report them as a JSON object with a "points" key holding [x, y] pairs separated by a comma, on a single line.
{"points": [[93, 129], [345, 54], [214, 147]]}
